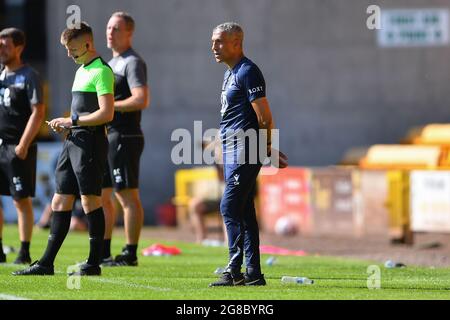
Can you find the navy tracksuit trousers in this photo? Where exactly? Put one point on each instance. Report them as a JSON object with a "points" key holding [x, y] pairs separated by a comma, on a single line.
{"points": [[238, 211]]}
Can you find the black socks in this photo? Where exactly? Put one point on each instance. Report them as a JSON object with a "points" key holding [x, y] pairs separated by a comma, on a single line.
{"points": [[96, 226], [58, 230], [132, 248], [60, 227], [24, 248]]}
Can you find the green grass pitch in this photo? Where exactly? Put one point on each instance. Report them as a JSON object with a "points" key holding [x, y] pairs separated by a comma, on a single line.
{"points": [[187, 276]]}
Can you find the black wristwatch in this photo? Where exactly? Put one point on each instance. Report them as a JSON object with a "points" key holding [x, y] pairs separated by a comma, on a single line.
{"points": [[75, 118]]}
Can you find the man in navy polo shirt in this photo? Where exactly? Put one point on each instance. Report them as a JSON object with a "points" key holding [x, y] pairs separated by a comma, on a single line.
{"points": [[245, 110]]}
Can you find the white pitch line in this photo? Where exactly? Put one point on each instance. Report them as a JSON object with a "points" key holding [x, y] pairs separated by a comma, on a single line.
{"points": [[11, 297], [128, 284], [12, 265]]}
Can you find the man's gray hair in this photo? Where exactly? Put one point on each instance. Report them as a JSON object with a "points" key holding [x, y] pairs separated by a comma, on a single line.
{"points": [[129, 21], [231, 28]]}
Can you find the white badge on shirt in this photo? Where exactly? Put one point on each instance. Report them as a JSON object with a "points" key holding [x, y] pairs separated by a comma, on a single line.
{"points": [[119, 67]]}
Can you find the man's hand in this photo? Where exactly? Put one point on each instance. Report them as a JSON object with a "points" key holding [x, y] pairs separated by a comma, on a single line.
{"points": [[21, 151], [282, 158], [60, 124]]}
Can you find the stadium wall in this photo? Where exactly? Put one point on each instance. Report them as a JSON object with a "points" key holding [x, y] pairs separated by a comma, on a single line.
{"points": [[331, 87]]}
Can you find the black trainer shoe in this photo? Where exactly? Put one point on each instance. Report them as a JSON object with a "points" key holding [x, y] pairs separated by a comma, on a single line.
{"points": [[125, 259], [23, 258], [228, 280], [87, 270], [2, 257], [108, 262], [35, 270], [254, 280]]}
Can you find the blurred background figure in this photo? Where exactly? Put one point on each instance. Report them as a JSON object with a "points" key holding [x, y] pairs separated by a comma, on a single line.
{"points": [[208, 202], [21, 114], [126, 140], [78, 222]]}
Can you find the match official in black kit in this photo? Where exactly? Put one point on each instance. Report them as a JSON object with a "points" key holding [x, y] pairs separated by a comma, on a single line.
{"points": [[126, 140], [82, 160]]}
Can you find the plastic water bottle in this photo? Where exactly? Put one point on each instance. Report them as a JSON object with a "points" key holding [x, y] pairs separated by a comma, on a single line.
{"points": [[389, 264], [270, 261], [298, 280]]}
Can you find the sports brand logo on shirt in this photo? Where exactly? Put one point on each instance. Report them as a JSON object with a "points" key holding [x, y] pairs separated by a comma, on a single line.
{"points": [[19, 82], [119, 67], [236, 179], [256, 89]]}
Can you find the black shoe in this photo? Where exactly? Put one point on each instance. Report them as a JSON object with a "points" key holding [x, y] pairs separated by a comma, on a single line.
{"points": [[35, 270], [108, 262], [228, 280], [125, 259], [2, 257], [87, 270], [254, 280], [23, 258]]}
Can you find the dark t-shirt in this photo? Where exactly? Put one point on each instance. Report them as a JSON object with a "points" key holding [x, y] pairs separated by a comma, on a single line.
{"points": [[130, 71], [19, 91]]}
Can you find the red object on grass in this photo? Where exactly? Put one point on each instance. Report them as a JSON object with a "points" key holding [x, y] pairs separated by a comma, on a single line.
{"points": [[158, 249], [281, 251]]}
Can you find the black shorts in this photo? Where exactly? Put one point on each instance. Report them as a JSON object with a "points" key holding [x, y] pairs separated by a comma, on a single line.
{"points": [[211, 205], [17, 177], [124, 156], [82, 161]]}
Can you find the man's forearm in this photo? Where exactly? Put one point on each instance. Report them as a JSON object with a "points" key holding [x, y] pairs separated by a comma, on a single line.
{"points": [[33, 125], [267, 125], [96, 118], [130, 104], [103, 115]]}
